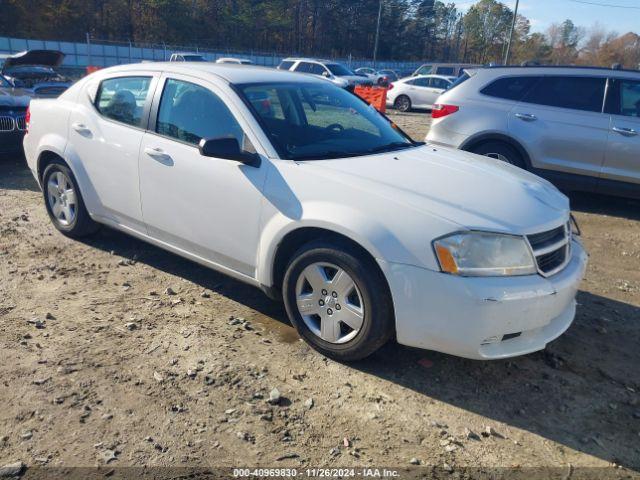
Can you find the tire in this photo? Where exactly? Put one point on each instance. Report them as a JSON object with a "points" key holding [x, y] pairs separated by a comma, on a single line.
{"points": [[500, 151], [369, 300], [67, 212], [402, 103]]}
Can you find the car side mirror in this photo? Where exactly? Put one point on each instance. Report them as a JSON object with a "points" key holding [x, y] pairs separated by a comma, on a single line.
{"points": [[326, 74], [227, 148]]}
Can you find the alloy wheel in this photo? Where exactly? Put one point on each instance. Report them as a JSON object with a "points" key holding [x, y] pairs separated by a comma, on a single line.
{"points": [[329, 302], [62, 198], [403, 103]]}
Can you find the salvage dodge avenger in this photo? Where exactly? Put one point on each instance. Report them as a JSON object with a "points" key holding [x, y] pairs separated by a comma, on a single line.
{"points": [[296, 186]]}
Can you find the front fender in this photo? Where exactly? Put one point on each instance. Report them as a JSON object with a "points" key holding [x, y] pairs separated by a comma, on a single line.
{"points": [[372, 235]]}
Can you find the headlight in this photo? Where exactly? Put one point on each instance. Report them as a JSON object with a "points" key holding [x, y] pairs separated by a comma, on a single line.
{"points": [[478, 254]]}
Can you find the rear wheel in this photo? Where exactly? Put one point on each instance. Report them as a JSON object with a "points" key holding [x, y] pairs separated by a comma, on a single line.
{"points": [[338, 301], [500, 151], [64, 202], [402, 103]]}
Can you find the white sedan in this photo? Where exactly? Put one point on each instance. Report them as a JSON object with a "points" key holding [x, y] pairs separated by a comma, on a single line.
{"points": [[296, 186], [417, 92]]}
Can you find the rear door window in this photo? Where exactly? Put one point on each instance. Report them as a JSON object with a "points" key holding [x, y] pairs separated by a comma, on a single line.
{"points": [[304, 67], [421, 82], [440, 83], [446, 71], [626, 98], [576, 93], [510, 88], [123, 99]]}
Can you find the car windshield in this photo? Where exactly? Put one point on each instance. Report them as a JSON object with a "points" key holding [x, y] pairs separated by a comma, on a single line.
{"points": [[31, 69], [4, 83], [339, 70], [307, 121]]}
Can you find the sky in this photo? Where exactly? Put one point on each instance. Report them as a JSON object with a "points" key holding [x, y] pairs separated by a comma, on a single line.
{"points": [[543, 13]]}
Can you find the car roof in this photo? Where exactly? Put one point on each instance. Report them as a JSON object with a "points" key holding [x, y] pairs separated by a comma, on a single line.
{"points": [[440, 64], [431, 75], [541, 69], [306, 59], [232, 73]]}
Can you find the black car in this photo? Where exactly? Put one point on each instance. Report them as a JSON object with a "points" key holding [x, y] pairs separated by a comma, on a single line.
{"points": [[34, 70], [13, 109]]}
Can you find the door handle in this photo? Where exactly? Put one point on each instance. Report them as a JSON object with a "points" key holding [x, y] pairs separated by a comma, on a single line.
{"points": [[159, 155], [81, 128], [627, 132], [527, 117], [155, 152]]}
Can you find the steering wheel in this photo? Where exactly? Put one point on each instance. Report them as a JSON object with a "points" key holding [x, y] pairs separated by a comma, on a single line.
{"points": [[334, 128]]}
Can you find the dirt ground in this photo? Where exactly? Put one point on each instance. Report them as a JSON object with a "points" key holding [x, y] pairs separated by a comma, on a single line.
{"points": [[102, 366]]}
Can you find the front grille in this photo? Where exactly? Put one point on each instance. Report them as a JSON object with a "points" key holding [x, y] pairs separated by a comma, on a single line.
{"points": [[6, 124], [21, 123], [552, 249]]}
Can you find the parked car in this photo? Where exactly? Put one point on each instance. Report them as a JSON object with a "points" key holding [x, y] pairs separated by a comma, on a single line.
{"points": [[233, 60], [417, 92], [368, 72], [448, 69], [13, 109], [389, 76], [378, 77], [187, 57], [34, 70], [332, 71], [577, 127], [365, 234]]}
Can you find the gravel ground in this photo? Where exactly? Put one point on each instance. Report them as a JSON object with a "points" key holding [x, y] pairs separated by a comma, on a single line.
{"points": [[115, 353]]}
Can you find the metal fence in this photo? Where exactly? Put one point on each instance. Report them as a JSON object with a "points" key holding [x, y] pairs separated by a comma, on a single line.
{"points": [[105, 53]]}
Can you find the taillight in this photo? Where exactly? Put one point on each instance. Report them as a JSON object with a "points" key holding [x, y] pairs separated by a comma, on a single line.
{"points": [[439, 110], [27, 119]]}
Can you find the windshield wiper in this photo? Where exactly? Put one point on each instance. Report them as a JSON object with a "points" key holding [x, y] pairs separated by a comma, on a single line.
{"points": [[328, 155], [390, 147]]}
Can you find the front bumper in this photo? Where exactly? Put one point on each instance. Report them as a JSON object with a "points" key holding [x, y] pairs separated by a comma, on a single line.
{"points": [[470, 316], [11, 141]]}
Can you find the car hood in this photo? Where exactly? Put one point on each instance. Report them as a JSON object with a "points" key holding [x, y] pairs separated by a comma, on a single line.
{"points": [[354, 78], [14, 97], [471, 191], [45, 58]]}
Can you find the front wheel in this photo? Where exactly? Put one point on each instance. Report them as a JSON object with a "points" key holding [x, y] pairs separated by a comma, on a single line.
{"points": [[338, 301]]}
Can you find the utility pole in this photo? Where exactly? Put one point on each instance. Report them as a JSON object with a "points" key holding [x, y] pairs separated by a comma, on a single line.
{"points": [[88, 48], [513, 25], [375, 46]]}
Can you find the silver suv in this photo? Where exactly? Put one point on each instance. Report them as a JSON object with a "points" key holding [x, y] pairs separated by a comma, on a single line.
{"points": [[577, 127], [335, 72]]}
